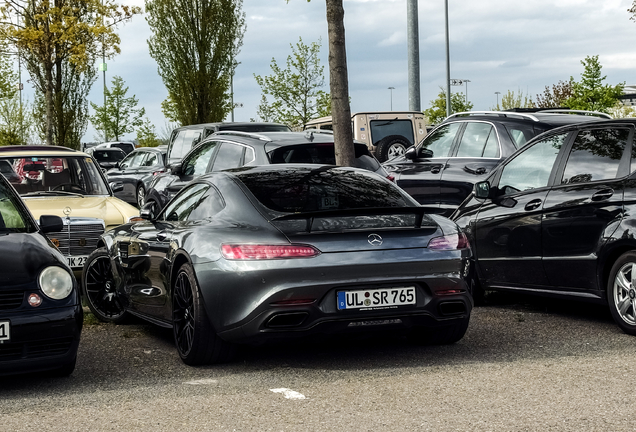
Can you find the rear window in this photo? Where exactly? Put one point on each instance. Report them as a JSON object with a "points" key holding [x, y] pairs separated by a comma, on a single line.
{"points": [[108, 156], [308, 190], [323, 154], [384, 128], [126, 147]]}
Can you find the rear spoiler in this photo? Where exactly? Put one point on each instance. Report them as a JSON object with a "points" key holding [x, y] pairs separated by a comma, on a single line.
{"points": [[419, 213]]}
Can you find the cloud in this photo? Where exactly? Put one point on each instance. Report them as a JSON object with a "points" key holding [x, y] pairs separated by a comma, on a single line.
{"points": [[397, 38]]}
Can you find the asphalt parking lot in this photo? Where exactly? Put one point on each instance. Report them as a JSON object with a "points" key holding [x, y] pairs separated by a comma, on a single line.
{"points": [[524, 365]]}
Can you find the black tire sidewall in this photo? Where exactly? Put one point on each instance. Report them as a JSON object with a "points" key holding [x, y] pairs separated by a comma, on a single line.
{"points": [[620, 262], [96, 254]]}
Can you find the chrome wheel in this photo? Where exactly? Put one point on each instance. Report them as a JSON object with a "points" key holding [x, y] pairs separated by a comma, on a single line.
{"points": [[100, 288], [396, 150], [624, 293], [183, 314], [141, 196]]}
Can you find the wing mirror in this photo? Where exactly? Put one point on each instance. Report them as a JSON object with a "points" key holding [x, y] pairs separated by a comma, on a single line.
{"points": [[411, 153], [51, 223], [482, 189], [147, 212], [175, 169]]}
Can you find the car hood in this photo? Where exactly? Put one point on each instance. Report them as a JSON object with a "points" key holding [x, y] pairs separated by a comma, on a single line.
{"points": [[111, 210], [23, 256]]}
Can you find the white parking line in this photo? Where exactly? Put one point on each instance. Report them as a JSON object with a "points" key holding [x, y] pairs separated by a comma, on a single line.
{"points": [[205, 381], [289, 394]]}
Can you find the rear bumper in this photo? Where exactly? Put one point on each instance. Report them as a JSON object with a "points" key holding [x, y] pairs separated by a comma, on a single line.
{"points": [[41, 341]]}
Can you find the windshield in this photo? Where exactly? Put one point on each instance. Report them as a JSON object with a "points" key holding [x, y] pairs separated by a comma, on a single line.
{"points": [[55, 175], [12, 216]]}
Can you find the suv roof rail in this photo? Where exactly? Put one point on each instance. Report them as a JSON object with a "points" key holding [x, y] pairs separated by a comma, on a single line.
{"points": [[239, 133], [497, 113], [577, 112], [27, 148], [319, 131]]}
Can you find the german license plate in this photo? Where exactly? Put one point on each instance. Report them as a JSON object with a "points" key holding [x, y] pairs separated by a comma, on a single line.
{"points": [[5, 331], [376, 298], [76, 261]]}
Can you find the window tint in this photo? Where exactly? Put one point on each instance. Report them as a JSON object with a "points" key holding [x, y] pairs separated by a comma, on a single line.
{"points": [[520, 134], [151, 160], [12, 217], [208, 206], [197, 162], [476, 136], [595, 155], [230, 156], [322, 153], [440, 141], [384, 128], [531, 168], [185, 203], [184, 141], [131, 161]]}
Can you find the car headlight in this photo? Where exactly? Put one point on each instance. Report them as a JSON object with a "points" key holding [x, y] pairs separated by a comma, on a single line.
{"points": [[55, 282]]}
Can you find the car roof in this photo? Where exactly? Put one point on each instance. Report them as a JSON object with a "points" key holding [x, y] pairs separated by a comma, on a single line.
{"points": [[273, 140], [229, 124], [38, 150]]}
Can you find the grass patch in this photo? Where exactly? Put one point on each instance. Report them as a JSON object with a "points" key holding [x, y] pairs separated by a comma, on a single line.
{"points": [[90, 319]]}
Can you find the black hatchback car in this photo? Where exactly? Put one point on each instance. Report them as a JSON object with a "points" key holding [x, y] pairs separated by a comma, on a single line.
{"points": [[232, 149], [558, 218], [441, 170], [40, 311]]}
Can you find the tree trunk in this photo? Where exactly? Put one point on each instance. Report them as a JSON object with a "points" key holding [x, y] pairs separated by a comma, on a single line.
{"points": [[48, 97], [339, 85]]}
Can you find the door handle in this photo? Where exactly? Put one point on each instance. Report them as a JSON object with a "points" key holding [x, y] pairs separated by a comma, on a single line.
{"points": [[435, 170], [533, 204], [602, 194]]}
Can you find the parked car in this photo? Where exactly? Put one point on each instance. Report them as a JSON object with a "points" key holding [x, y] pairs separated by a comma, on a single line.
{"points": [[225, 150], [40, 312], [270, 252], [134, 174], [184, 138], [126, 146], [106, 158], [557, 218], [440, 171], [67, 183]]}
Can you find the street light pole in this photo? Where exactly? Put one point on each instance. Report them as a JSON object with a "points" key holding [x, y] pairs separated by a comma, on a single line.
{"points": [[391, 89], [466, 82], [448, 93], [497, 93]]}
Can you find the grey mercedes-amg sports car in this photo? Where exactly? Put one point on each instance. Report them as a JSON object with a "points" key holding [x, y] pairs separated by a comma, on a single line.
{"points": [[268, 252]]}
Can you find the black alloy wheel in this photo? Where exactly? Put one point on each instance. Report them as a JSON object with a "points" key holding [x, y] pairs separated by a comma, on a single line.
{"points": [[621, 292], [196, 340], [100, 290]]}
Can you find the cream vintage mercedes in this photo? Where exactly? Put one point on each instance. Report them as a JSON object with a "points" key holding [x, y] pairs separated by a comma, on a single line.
{"points": [[56, 180]]}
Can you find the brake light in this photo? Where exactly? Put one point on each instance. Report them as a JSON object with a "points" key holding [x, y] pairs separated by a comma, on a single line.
{"points": [[390, 178], [449, 242], [265, 252]]}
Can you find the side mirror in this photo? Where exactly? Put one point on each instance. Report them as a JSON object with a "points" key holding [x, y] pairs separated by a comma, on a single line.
{"points": [[147, 212], [482, 189], [175, 169], [411, 153], [117, 187], [51, 223]]}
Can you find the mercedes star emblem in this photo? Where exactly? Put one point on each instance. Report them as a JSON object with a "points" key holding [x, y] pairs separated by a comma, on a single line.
{"points": [[67, 211], [374, 240]]}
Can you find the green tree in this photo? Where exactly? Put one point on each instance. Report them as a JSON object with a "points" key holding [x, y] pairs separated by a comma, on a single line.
{"points": [[14, 118], [296, 90], [62, 35], [120, 115], [590, 93], [195, 50], [437, 112], [513, 100], [556, 96], [146, 135]]}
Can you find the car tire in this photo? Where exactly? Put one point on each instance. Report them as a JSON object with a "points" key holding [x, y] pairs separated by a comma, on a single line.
{"points": [[390, 147], [444, 335], [100, 290], [141, 196], [196, 339], [621, 292]]}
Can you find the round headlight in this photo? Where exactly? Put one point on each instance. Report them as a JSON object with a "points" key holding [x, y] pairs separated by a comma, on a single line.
{"points": [[55, 282]]}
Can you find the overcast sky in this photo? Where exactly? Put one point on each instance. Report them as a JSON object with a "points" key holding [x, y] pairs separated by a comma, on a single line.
{"points": [[498, 45]]}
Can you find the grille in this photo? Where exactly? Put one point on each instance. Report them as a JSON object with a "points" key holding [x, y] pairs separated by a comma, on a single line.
{"points": [[11, 299], [78, 237], [35, 349]]}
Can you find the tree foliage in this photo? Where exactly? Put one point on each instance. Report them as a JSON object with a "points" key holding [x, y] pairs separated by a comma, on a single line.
{"points": [[590, 93], [513, 100], [65, 35], [146, 135], [437, 112], [296, 90], [120, 115], [556, 96], [195, 44]]}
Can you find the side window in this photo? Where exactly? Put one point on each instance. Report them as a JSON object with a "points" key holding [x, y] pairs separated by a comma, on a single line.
{"points": [[187, 201], [531, 168], [197, 162], [151, 160], [520, 134], [492, 146], [229, 156], [595, 155], [440, 141], [177, 151], [131, 161], [474, 139], [249, 155], [208, 206]]}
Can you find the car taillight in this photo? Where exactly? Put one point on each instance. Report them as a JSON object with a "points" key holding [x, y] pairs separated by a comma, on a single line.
{"points": [[390, 178], [449, 242], [265, 252]]}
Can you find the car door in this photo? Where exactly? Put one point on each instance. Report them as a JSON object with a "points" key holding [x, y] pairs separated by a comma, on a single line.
{"points": [[421, 177], [476, 154], [195, 164], [508, 226], [584, 206]]}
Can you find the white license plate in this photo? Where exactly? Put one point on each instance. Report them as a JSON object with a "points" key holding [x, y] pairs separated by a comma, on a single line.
{"points": [[376, 298], [5, 331], [76, 261]]}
